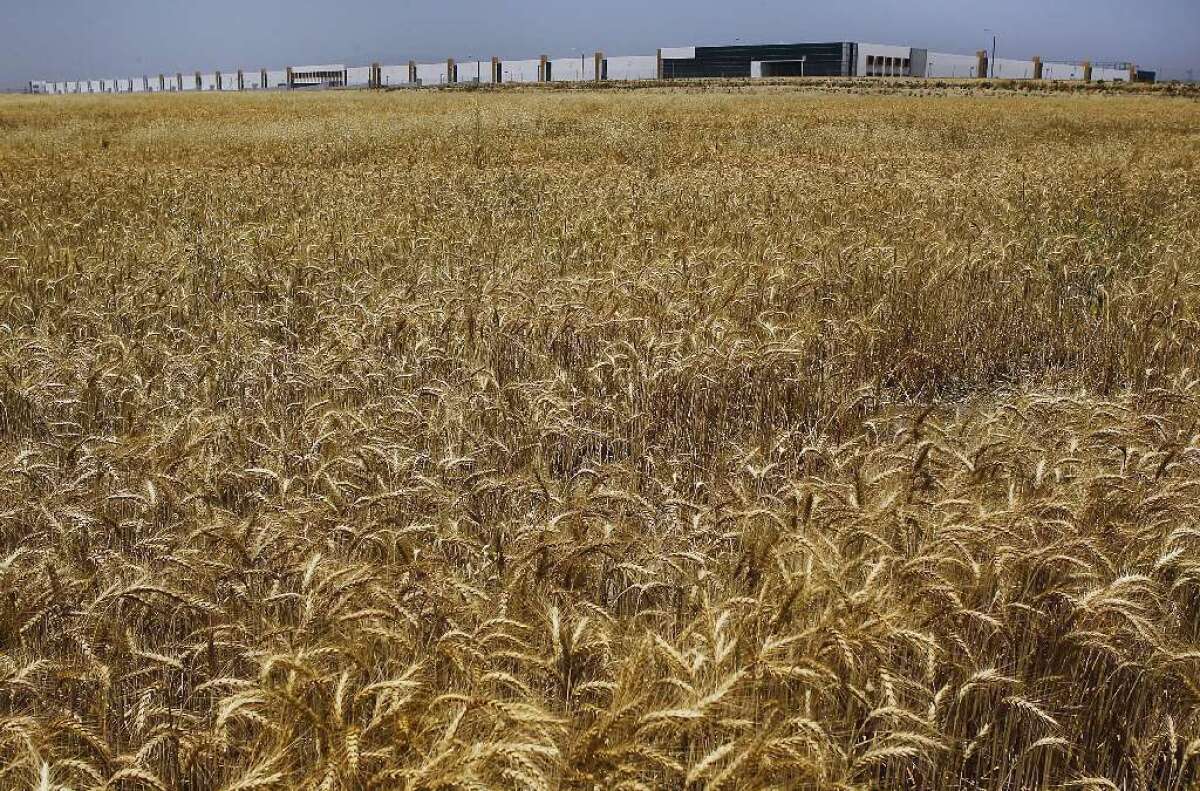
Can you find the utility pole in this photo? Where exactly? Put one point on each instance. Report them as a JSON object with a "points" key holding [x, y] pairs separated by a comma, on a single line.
{"points": [[992, 64]]}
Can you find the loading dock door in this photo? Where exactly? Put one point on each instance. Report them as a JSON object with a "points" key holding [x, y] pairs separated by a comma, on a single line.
{"points": [[783, 68]]}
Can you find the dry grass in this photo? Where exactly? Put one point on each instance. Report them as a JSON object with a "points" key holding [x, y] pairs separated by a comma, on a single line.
{"points": [[624, 439]]}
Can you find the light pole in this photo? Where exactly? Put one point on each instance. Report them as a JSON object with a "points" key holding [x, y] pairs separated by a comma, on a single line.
{"points": [[992, 63], [580, 51]]}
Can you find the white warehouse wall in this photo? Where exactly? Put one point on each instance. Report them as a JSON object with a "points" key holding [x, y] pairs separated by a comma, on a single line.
{"points": [[1010, 69], [635, 67], [881, 51], [229, 80], [276, 78], [1110, 75], [208, 81], [432, 73], [945, 64], [573, 69], [519, 70], [466, 70], [358, 75], [394, 75], [1062, 71], [677, 53]]}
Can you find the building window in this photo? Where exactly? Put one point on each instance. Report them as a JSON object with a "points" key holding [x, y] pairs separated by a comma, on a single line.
{"points": [[314, 78]]}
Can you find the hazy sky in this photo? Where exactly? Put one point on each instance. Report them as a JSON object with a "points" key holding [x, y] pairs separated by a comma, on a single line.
{"points": [[71, 39]]}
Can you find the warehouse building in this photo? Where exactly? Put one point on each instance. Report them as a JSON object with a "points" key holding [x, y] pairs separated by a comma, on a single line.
{"points": [[325, 76], [763, 60], [746, 61], [858, 59]]}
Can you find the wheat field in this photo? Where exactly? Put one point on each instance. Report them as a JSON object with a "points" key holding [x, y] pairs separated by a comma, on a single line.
{"points": [[688, 439]]}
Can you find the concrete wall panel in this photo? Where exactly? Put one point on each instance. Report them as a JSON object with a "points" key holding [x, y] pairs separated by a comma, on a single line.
{"points": [[1010, 69], [208, 81], [633, 67], [573, 69], [359, 76], [947, 65], [468, 69], [1110, 75], [520, 70], [1062, 71], [881, 51], [432, 73], [276, 78], [394, 75], [678, 53]]}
